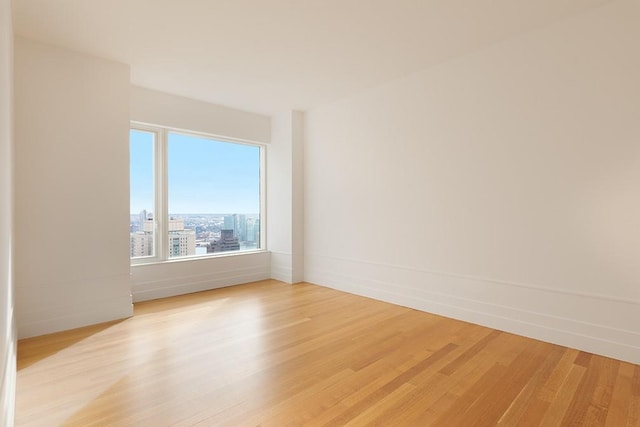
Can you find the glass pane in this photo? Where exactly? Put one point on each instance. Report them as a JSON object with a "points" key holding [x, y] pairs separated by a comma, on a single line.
{"points": [[214, 196], [142, 202]]}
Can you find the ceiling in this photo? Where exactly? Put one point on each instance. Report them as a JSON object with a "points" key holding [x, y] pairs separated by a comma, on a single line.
{"points": [[275, 55]]}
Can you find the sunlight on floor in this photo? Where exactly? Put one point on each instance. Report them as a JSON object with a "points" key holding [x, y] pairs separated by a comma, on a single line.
{"points": [[103, 363]]}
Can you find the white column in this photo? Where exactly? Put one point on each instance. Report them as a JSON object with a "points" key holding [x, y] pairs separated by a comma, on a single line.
{"points": [[285, 197], [7, 322]]}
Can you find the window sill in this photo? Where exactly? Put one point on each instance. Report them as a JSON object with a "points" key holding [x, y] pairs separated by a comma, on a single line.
{"points": [[142, 263]]}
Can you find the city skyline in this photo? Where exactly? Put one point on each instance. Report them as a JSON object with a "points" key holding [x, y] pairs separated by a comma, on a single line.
{"points": [[194, 235], [217, 214]]}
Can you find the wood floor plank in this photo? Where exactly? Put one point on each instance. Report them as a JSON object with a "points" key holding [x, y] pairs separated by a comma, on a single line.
{"points": [[621, 398], [374, 415], [273, 354], [560, 404], [582, 410], [528, 405], [468, 354], [380, 392]]}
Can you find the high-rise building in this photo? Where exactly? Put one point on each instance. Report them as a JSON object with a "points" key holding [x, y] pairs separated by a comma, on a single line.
{"points": [[227, 242], [141, 244], [256, 231], [237, 223], [228, 222], [148, 225], [242, 228], [142, 218], [250, 234], [141, 237], [181, 242]]}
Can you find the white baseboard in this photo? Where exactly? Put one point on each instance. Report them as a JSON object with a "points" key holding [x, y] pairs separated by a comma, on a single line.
{"points": [[594, 323], [282, 266], [184, 277], [196, 283], [8, 378], [287, 267], [74, 315]]}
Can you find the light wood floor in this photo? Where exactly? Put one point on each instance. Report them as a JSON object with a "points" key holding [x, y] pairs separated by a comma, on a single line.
{"points": [[278, 355]]}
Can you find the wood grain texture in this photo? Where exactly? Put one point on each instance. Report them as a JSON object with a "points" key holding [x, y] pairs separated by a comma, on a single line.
{"points": [[273, 354]]}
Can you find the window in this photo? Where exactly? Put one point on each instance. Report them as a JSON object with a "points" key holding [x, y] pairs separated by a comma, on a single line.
{"points": [[142, 193], [193, 195]]}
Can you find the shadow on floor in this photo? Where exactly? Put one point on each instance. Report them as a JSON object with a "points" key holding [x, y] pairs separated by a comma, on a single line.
{"points": [[33, 350]]}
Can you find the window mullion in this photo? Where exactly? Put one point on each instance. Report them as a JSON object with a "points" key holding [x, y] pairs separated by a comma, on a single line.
{"points": [[262, 242], [161, 195]]}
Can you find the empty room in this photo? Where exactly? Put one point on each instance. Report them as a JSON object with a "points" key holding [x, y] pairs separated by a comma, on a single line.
{"points": [[323, 213]]}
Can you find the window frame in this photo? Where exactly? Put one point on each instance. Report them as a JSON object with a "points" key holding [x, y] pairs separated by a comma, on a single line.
{"points": [[161, 193]]}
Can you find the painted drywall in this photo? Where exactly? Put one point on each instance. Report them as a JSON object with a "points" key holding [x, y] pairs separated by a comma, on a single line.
{"points": [[7, 322], [159, 280], [285, 214], [152, 281], [502, 187], [71, 189], [152, 107], [297, 196]]}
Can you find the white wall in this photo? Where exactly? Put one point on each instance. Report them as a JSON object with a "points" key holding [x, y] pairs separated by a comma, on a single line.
{"points": [[502, 187], [7, 323], [285, 201], [71, 189], [152, 107], [297, 195], [152, 281], [159, 280]]}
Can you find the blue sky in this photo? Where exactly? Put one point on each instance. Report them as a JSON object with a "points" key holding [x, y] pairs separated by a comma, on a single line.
{"points": [[205, 176]]}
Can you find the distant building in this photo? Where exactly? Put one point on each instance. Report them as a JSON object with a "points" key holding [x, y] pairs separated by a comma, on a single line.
{"points": [[181, 242], [148, 226], [141, 244], [237, 223], [229, 222], [256, 232], [241, 232], [253, 231], [250, 233], [142, 218], [227, 242]]}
